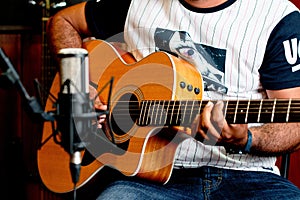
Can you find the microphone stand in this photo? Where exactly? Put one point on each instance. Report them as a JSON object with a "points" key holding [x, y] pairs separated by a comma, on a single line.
{"points": [[33, 106], [71, 141], [10, 77], [71, 131]]}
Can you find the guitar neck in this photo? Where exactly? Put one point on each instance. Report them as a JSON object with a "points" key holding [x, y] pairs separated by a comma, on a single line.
{"points": [[175, 113]]}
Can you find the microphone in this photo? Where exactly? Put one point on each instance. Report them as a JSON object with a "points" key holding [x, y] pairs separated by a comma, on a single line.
{"points": [[72, 104]]}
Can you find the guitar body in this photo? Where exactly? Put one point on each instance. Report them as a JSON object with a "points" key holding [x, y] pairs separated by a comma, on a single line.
{"points": [[143, 151]]}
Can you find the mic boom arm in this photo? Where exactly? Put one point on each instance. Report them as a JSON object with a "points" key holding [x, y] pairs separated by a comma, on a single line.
{"points": [[9, 75], [73, 145]]}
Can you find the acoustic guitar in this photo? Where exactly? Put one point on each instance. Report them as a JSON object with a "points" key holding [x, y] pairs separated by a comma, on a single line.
{"points": [[148, 97]]}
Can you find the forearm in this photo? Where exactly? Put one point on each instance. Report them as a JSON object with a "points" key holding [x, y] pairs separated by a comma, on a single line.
{"points": [[276, 139]]}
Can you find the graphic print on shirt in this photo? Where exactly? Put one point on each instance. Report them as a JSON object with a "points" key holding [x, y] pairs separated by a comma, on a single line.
{"points": [[292, 53], [209, 61]]}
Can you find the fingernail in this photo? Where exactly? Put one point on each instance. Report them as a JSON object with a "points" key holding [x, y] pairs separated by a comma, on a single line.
{"points": [[209, 104]]}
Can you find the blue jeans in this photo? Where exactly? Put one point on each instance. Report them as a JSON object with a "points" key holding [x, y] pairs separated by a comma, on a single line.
{"points": [[205, 183]]}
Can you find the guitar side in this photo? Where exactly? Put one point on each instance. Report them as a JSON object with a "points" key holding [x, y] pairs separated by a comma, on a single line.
{"points": [[157, 77]]}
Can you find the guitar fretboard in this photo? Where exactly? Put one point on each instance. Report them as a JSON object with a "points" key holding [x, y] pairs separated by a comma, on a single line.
{"points": [[175, 113]]}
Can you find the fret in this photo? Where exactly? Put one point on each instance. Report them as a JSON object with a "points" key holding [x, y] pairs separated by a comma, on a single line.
{"points": [[225, 109], [156, 112], [191, 114], [266, 111], [230, 114], [162, 111], [242, 111], [187, 112], [253, 107], [151, 117], [273, 110], [141, 115], [167, 111], [294, 114], [288, 111], [145, 114], [184, 111], [259, 111], [157, 105], [235, 112], [171, 113], [150, 113], [280, 111], [247, 111], [177, 113], [153, 109], [177, 121]]}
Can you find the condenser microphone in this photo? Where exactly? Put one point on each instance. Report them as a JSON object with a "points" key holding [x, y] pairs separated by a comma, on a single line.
{"points": [[73, 102]]}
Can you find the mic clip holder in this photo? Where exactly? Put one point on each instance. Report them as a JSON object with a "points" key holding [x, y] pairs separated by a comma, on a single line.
{"points": [[70, 142], [71, 123]]}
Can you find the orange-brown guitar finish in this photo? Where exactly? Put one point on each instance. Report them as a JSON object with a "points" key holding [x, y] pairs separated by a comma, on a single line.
{"points": [[150, 150]]}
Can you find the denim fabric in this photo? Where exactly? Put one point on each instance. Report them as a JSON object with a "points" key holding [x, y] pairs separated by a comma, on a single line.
{"points": [[205, 183]]}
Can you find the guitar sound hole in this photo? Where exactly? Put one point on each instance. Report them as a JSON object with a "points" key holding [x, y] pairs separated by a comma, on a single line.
{"points": [[125, 114]]}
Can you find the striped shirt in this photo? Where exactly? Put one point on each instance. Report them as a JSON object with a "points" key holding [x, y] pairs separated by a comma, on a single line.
{"points": [[236, 34], [231, 45]]}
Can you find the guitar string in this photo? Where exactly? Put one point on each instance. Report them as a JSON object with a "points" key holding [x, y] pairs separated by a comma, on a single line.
{"points": [[280, 110]]}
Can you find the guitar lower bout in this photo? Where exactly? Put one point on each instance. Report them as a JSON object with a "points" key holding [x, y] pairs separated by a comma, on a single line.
{"points": [[142, 100]]}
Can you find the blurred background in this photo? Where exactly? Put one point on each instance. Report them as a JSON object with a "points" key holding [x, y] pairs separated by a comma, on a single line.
{"points": [[22, 37]]}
